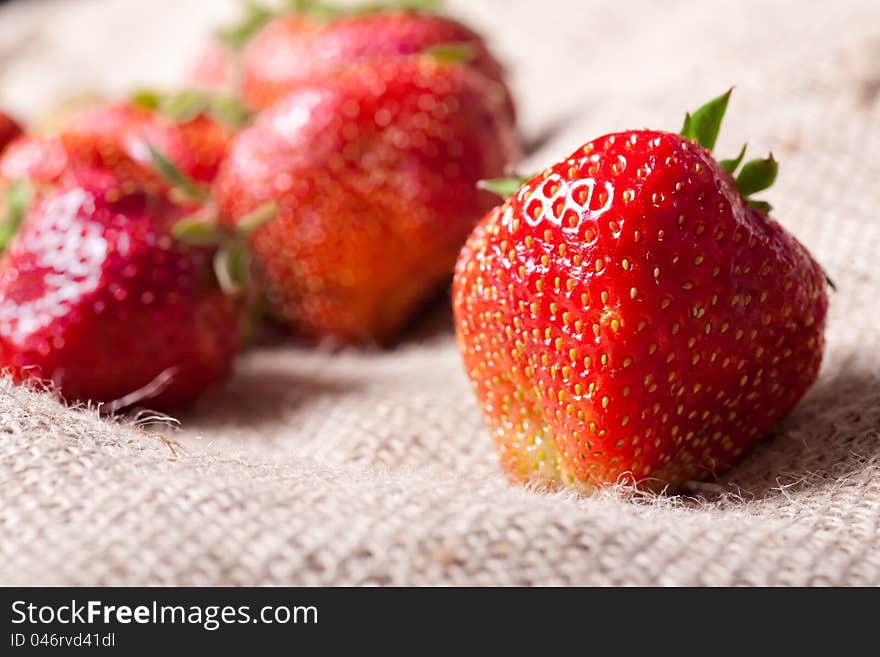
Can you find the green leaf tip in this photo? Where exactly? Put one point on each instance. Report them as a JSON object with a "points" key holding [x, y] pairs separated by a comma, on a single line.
{"points": [[730, 166], [186, 106], [321, 9], [17, 199], [829, 281], [255, 17], [250, 222], [503, 187], [197, 230], [232, 267], [175, 176], [757, 175], [148, 99], [704, 124], [460, 52]]}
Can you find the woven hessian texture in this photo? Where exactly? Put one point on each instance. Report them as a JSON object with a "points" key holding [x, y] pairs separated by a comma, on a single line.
{"points": [[374, 467]]}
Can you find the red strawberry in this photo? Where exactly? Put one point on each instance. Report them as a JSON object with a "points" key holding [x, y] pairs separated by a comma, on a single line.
{"points": [[630, 315], [96, 295], [47, 160], [9, 130], [292, 50], [373, 171], [194, 141]]}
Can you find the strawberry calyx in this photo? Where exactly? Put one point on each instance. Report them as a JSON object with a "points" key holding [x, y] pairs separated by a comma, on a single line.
{"points": [[256, 15], [254, 18], [232, 263], [232, 258], [186, 106], [17, 197], [204, 229], [182, 186], [703, 126], [755, 176]]}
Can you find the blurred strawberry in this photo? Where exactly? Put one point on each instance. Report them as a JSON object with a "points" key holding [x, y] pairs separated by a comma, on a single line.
{"points": [[193, 129], [374, 173], [317, 41], [96, 294]]}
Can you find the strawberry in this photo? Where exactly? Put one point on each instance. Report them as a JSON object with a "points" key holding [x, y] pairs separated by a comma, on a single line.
{"points": [[182, 127], [631, 315], [9, 130], [373, 172], [96, 295], [45, 160], [291, 50]]}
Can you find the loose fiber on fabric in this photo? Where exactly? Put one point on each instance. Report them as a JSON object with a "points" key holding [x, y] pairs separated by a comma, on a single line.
{"points": [[373, 467]]}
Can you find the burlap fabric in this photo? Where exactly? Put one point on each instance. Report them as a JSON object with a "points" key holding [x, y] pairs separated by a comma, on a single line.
{"points": [[374, 467]]}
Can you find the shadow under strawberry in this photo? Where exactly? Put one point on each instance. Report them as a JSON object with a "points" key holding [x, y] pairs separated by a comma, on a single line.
{"points": [[832, 436]]}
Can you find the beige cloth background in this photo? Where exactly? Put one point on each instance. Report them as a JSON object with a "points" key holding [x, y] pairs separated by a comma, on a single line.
{"points": [[374, 467]]}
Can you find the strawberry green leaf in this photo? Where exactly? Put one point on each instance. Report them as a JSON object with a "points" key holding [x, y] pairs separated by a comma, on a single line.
{"points": [[460, 52], [229, 110], [828, 280], [757, 175], [197, 230], [732, 165], [254, 220], [761, 206], [503, 187], [18, 196], [184, 106], [175, 176], [413, 5], [255, 17], [328, 10], [188, 105], [232, 268], [148, 99], [704, 124]]}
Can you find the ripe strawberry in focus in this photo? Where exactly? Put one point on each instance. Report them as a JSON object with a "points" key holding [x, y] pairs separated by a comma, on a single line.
{"points": [[291, 50], [9, 130], [631, 315], [96, 295], [373, 171]]}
